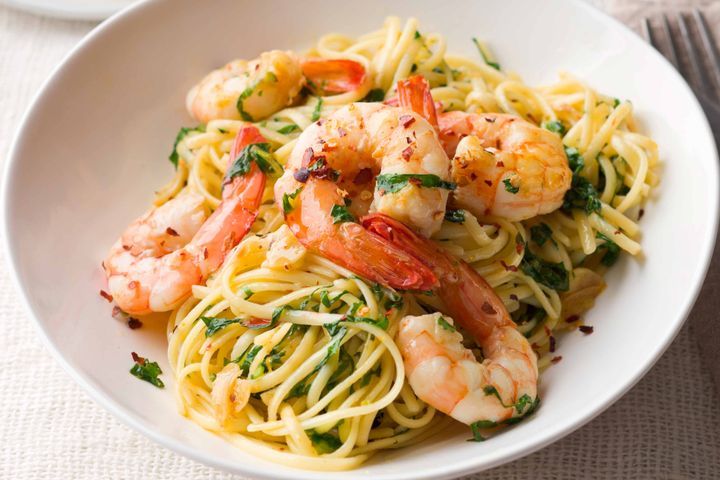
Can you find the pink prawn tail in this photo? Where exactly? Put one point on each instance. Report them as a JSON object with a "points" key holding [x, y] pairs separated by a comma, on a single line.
{"points": [[467, 296], [333, 75], [242, 196], [414, 94]]}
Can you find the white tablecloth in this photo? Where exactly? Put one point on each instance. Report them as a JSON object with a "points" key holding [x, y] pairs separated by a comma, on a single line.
{"points": [[667, 427]]}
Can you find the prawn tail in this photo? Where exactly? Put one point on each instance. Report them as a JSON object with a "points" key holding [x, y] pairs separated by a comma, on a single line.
{"points": [[242, 196], [373, 257], [468, 298], [414, 94], [333, 75]]}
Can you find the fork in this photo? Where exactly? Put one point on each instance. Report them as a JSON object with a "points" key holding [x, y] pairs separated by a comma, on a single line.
{"points": [[705, 81], [704, 61]]}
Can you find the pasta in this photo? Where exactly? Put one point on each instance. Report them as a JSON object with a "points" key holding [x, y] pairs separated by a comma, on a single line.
{"points": [[309, 345]]}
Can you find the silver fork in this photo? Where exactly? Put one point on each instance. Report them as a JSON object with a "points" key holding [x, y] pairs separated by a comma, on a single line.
{"points": [[704, 77], [704, 61]]}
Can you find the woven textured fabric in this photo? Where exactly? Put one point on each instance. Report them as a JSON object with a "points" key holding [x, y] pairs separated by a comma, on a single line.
{"points": [[667, 427]]}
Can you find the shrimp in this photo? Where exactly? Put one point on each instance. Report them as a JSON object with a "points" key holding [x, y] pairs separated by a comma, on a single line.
{"points": [[160, 256], [256, 89], [440, 370], [502, 164], [332, 173]]}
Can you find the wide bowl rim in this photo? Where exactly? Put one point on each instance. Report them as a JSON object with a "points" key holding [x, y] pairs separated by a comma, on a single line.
{"points": [[470, 466]]}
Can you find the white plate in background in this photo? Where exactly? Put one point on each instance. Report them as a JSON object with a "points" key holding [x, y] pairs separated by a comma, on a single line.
{"points": [[80, 170]]}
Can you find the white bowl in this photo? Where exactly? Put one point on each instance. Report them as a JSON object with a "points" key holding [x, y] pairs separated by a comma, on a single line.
{"points": [[94, 145]]}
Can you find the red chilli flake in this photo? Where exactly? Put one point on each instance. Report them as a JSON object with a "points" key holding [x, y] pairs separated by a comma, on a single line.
{"points": [[117, 312], [641, 213], [572, 318], [308, 156], [132, 285], [363, 176], [341, 132], [552, 343], [106, 295], [556, 359], [407, 153], [586, 329], [519, 247], [406, 120], [513, 297], [509, 268], [172, 232], [134, 323], [487, 308], [408, 139], [500, 164], [488, 183], [489, 119], [137, 358], [255, 322]]}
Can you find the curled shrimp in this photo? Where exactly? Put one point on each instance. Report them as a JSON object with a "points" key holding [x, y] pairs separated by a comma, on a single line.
{"points": [[253, 90], [440, 370], [502, 164], [160, 256], [330, 180]]}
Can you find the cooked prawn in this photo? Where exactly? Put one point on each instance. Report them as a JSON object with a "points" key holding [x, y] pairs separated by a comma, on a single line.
{"points": [[160, 256], [256, 89], [440, 370], [336, 163], [502, 164]]}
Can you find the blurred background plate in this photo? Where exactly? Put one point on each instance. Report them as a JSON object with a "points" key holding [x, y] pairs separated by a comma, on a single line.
{"points": [[70, 9]]}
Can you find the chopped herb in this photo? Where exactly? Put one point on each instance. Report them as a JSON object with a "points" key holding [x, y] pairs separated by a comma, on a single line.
{"points": [[552, 275], [327, 301], [215, 324], [582, 195], [616, 102], [575, 160], [323, 442], [414, 68], [455, 216], [438, 70], [494, 65], [612, 250], [341, 214], [318, 108], [271, 77], [277, 314], [392, 298], [302, 387], [555, 126], [475, 429], [445, 324], [509, 187], [417, 35], [174, 157], [391, 183], [258, 153], [245, 94], [146, 370], [223, 131], [375, 95], [249, 357], [286, 200], [345, 363], [248, 293], [541, 233], [289, 129], [365, 380]]}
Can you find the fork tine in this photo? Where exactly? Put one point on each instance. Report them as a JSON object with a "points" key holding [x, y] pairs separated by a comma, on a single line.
{"points": [[692, 54], [709, 45], [673, 57]]}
